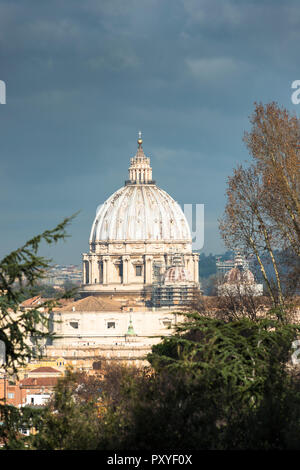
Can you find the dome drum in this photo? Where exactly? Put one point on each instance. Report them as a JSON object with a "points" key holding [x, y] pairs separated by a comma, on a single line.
{"points": [[136, 246]]}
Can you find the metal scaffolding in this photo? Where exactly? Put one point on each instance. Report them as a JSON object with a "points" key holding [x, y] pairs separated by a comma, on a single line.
{"points": [[167, 295]]}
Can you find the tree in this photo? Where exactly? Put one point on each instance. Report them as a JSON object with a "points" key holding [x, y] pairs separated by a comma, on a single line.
{"points": [[70, 421], [19, 271], [239, 301], [214, 384], [274, 143], [22, 332], [90, 412], [230, 369], [262, 209], [244, 223], [236, 350]]}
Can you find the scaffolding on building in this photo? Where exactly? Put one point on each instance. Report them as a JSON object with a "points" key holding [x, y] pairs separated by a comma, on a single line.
{"points": [[168, 295]]}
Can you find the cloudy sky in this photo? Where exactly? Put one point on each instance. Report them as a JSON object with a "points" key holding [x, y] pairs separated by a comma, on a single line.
{"points": [[83, 77]]}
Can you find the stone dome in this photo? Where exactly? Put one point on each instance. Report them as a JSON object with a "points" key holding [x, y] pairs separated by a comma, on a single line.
{"points": [[176, 274], [236, 275], [140, 210], [140, 242]]}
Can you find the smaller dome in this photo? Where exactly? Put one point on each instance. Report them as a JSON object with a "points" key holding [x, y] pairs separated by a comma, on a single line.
{"points": [[176, 274], [236, 275], [248, 276]]}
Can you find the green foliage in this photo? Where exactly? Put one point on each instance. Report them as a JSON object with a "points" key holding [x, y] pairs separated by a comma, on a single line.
{"points": [[14, 421], [20, 271], [24, 331], [213, 385], [69, 422], [274, 424], [235, 354]]}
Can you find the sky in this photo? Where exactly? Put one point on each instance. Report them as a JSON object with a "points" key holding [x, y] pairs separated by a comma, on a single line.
{"points": [[83, 77]]}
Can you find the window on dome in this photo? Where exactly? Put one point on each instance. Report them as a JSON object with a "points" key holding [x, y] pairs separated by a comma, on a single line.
{"points": [[138, 270]]}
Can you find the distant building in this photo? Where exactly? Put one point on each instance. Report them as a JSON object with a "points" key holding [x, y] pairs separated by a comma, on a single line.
{"points": [[224, 266], [58, 275], [95, 320], [35, 389], [135, 238], [37, 399], [139, 268], [239, 280]]}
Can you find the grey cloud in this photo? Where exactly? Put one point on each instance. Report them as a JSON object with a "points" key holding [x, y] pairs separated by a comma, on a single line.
{"points": [[201, 11], [213, 68], [84, 76]]}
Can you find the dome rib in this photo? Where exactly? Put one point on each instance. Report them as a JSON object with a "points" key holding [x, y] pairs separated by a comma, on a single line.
{"points": [[175, 207], [162, 216], [116, 219]]}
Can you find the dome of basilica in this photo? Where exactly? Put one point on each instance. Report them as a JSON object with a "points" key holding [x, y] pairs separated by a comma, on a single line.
{"points": [[140, 210], [140, 239]]}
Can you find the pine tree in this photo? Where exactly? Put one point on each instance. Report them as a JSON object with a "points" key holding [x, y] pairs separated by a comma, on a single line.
{"points": [[23, 331]]}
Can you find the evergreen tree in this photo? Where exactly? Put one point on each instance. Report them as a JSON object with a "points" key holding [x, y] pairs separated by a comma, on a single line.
{"points": [[22, 332], [19, 271]]}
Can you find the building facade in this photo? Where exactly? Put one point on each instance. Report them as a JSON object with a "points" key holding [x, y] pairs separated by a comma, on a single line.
{"points": [[139, 269]]}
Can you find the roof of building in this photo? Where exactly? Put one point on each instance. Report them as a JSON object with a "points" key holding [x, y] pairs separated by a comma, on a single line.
{"points": [[33, 301], [45, 369], [92, 304], [63, 303], [38, 382]]}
